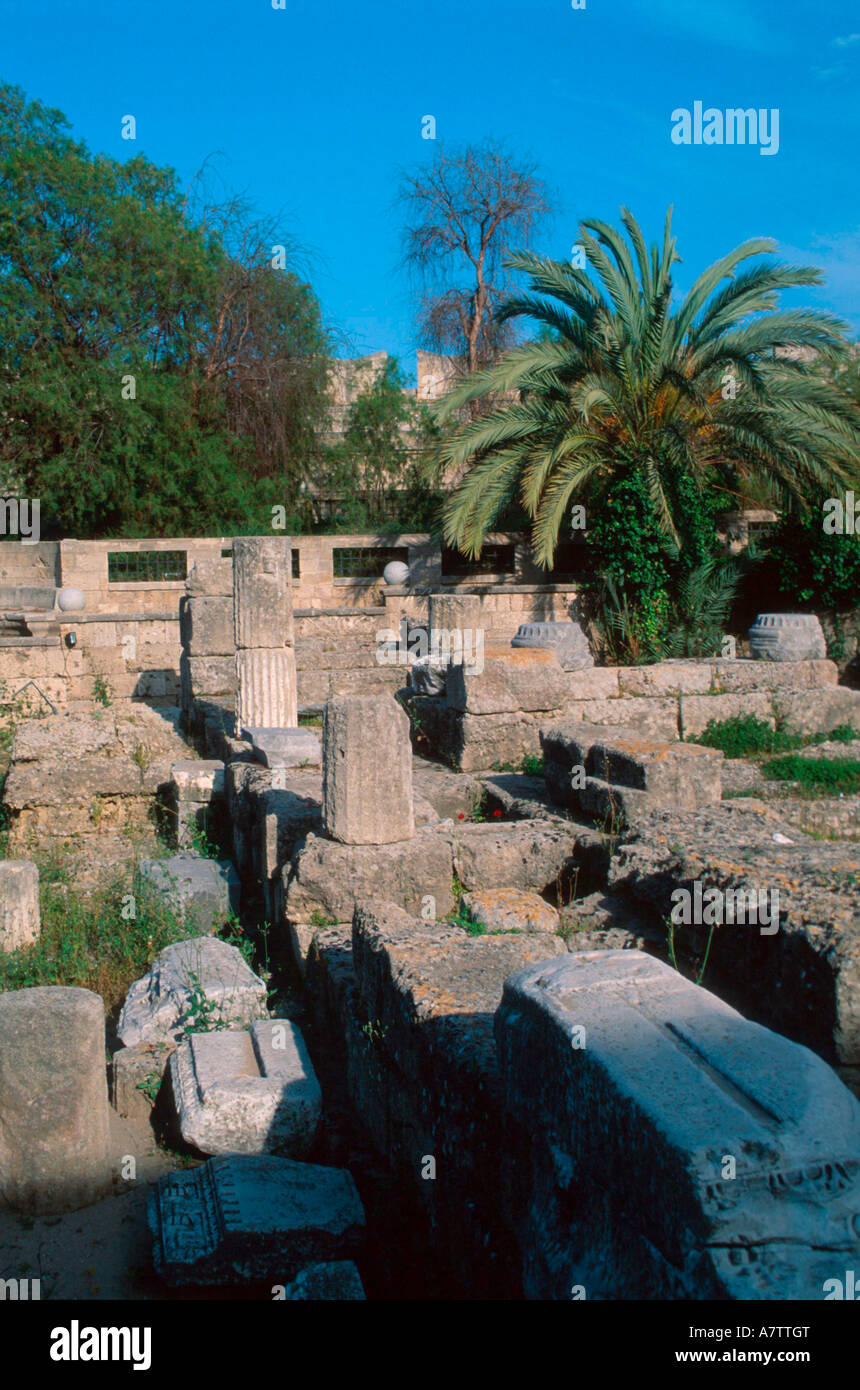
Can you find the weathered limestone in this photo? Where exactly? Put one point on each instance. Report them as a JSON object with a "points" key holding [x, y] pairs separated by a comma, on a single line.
{"points": [[235, 1220], [53, 1100], [285, 747], [804, 979], [798, 714], [247, 1091], [136, 1074], [165, 1003], [266, 689], [427, 675], [263, 632], [510, 910], [367, 771], [532, 856], [338, 1281], [525, 679], [327, 879], [606, 772], [697, 711], [453, 613], [83, 776], [19, 904], [567, 640], [787, 637], [196, 788], [200, 891], [262, 594], [631, 1088]]}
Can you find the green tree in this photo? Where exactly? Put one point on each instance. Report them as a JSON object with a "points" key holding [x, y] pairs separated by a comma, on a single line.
{"points": [[154, 377], [620, 385]]}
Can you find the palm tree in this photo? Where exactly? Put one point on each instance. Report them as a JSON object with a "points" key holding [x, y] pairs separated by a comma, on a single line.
{"points": [[619, 379]]}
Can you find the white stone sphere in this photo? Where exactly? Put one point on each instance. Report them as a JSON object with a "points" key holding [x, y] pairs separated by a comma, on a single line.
{"points": [[71, 600], [396, 572]]}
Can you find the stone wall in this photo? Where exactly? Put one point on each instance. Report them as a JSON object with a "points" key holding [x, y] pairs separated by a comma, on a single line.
{"points": [[496, 715]]}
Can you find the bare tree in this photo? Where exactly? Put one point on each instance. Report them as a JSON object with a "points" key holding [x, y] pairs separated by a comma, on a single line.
{"points": [[464, 213]]}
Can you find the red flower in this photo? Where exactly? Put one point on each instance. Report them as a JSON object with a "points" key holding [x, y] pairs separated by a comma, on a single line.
{"points": [[461, 816], [497, 813]]}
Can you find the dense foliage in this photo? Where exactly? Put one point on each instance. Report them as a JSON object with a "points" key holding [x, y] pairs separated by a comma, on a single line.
{"points": [[154, 378]]}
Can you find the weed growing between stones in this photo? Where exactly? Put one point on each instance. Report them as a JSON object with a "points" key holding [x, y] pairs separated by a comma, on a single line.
{"points": [[816, 777], [529, 765], [102, 693], [747, 736]]}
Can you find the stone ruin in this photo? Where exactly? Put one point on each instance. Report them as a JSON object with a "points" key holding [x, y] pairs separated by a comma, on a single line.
{"points": [[484, 952]]}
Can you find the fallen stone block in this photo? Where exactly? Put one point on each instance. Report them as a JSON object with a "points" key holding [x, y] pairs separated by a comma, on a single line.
{"points": [[787, 637], [427, 675], [614, 806], [202, 892], [509, 910], [513, 681], [534, 856], [285, 747], [256, 1218], [19, 904], [680, 776], [247, 1091], [136, 1076], [54, 1154], [338, 1281], [565, 747], [367, 771], [199, 780], [198, 980], [326, 879], [632, 1089], [567, 640]]}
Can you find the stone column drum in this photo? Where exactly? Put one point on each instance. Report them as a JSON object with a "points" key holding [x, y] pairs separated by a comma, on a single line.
{"points": [[54, 1150], [19, 904], [367, 771], [263, 633]]}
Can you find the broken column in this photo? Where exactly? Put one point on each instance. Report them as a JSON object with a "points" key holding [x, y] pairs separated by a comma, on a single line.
{"points": [[668, 1147], [367, 771], [263, 632], [19, 904], [54, 1154]]}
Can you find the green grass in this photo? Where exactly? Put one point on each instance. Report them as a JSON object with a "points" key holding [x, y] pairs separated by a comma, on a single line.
{"points": [[93, 942], [747, 736], [818, 776]]}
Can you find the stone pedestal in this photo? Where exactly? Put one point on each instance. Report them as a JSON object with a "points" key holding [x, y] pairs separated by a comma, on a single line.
{"points": [[54, 1153], [19, 904], [367, 771], [263, 633]]}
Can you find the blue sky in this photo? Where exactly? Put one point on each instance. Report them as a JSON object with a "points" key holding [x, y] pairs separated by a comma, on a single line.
{"points": [[313, 109]]}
